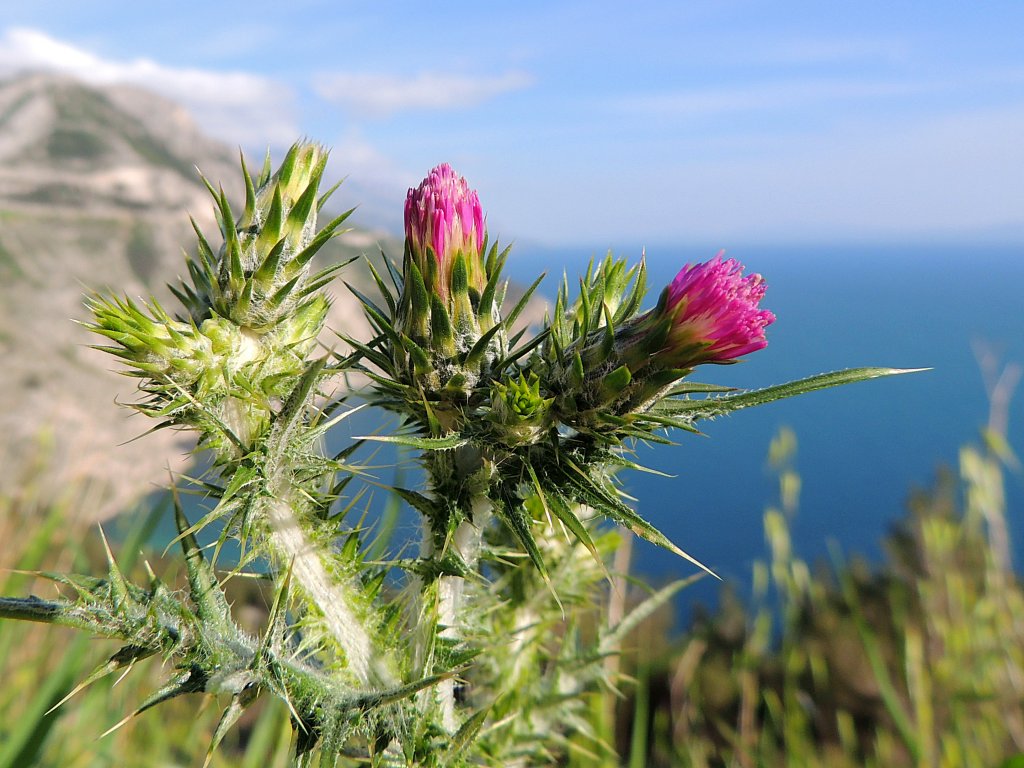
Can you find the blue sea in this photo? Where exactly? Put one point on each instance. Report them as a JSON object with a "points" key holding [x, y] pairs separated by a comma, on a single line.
{"points": [[863, 447]]}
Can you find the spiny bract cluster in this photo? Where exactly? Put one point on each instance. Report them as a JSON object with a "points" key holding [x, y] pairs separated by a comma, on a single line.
{"points": [[548, 416], [253, 311], [480, 656]]}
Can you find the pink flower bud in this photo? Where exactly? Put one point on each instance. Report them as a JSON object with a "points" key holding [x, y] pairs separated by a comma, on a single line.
{"points": [[714, 314], [443, 218]]}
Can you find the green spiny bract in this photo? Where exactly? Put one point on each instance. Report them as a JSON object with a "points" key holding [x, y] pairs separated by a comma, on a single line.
{"points": [[260, 273], [211, 654], [442, 348], [521, 414], [253, 313], [238, 369], [530, 432], [581, 357]]}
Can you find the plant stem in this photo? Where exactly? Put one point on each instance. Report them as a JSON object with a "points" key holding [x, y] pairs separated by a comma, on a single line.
{"points": [[284, 501], [450, 588], [332, 598]]}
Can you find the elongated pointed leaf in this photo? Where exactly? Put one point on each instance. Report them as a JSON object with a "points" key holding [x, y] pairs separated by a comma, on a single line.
{"points": [[466, 734], [695, 387], [232, 713], [299, 212], [329, 232], [418, 501], [250, 192], [512, 316], [611, 641], [424, 443], [474, 354], [382, 287], [211, 605], [605, 501], [513, 513], [519, 352], [554, 505], [268, 269], [719, 406]]}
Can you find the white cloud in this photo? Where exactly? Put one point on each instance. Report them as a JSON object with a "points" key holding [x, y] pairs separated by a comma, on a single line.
{"points": [[236, 106], [768, 95], [809, 92], [379, 95], [363, 160], [374, 181]]}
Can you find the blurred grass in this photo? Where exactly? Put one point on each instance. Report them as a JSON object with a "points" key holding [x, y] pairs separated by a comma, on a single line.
{"points": [[40, 664], [916, 661]]}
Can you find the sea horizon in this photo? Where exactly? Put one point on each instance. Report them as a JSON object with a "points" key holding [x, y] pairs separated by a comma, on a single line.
{"points": [[862, 449]]}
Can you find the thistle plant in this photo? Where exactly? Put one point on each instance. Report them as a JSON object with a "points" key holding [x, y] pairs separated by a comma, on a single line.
{"points": [[479, 649]]}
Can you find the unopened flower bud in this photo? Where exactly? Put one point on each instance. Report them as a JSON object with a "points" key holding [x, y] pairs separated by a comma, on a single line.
{"points": [[444, 219], [517, 405], [445, 266]]}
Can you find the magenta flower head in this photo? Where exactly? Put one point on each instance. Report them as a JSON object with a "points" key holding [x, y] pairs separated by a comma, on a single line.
{"points": [[708, 314], [443, 221], [714, 314]]}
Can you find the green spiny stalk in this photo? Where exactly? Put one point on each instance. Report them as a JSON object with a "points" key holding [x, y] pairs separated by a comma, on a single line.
{"points": [[238, 370], [521, 437]]}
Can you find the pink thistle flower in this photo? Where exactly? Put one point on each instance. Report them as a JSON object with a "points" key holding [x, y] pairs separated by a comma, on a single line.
{"points": [[443, 218], [714, 314]]}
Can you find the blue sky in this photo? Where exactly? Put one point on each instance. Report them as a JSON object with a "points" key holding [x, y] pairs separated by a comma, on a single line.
{"points": [[581, 122]]}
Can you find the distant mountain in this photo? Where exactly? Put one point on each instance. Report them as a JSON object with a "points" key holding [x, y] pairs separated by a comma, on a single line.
{"points": [[96, 186]]}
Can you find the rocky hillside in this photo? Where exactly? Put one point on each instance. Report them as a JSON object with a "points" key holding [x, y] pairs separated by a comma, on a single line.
{"points": [[96, 187]]}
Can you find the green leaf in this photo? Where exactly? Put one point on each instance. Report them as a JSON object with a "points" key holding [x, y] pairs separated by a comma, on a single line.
{"points": [[519, 352], [323, 278], [718, 406], [416, 290], [284, 173], [382, 287], [329, 232], [476, 353], [695, 387], [378, 313], [232, 713], [466, 734], [513, 513], [299, 212], [250, 192], [605, 501], [273, 224], [417, 501], [613, 640], [446, 443], [556, 506], [511, 317], [459, 283], [268, 268], [322, 200], [441, 334], [377, 698], [211, 605], [608, 339], [629, 307], [282, 293], [613, 383]]}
